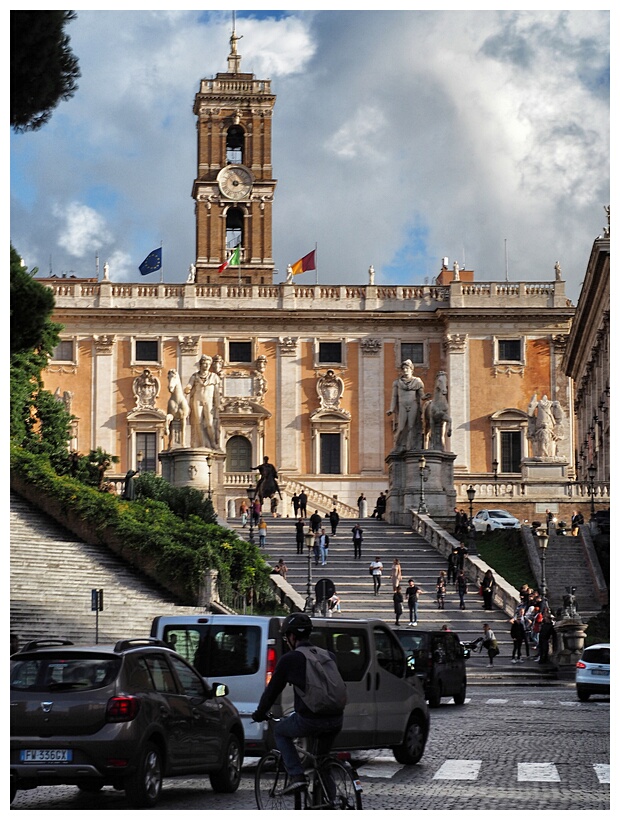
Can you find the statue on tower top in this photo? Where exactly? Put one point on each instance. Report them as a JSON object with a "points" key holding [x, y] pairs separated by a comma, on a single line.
{"points": [[233, 58]]}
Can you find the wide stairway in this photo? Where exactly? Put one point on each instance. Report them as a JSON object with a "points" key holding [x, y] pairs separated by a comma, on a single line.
{"points": [[52, 575], [419, 560]]}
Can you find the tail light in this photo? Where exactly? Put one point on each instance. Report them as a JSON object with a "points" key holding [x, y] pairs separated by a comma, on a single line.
{"points": [[580, 665], [271, 663], [122, 709]]}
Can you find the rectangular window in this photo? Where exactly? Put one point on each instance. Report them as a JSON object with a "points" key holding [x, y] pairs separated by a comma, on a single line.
{"points": [[146, 452], [509, 350], [239, 351], [413, 351], [330, 453], [63, 352], [330, 352], [147, 350], [511, 451]]}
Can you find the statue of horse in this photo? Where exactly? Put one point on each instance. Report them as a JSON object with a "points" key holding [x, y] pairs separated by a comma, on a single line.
{"points": [[178, 407], [437, 421]]}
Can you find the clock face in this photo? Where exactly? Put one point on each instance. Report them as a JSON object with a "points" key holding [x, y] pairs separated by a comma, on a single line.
{"points": [[235, 181]]}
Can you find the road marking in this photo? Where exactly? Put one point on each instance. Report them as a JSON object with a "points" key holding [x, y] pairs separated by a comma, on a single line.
{"points": [[458, 770], [538, 772], [602, 772], [451, 700], [497, 701], [570, 703], [380, 768], [533, 702]]}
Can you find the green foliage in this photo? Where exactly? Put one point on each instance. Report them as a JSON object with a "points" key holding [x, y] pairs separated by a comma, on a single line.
{"points": [[598, 628], [180, 550], [43, 67], [183, 501], [504, 551]]}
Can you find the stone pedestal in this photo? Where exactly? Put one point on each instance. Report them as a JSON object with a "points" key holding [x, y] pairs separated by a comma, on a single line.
{"points": [[405, 486], [187, 467], [545, 477], [572, 636]]}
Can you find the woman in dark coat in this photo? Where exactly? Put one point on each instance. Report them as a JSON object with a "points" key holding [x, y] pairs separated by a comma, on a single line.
{"points": [[488, 585]]}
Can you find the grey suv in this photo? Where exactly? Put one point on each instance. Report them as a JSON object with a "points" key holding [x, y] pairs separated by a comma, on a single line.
{"points": [[124, 715], [438, 659]]}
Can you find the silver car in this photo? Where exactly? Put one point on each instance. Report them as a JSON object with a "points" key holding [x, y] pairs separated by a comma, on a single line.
{"points": [[592, 671]]}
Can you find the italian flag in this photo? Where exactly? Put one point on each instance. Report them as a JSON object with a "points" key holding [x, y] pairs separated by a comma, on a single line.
{"points": [[233, 259]]}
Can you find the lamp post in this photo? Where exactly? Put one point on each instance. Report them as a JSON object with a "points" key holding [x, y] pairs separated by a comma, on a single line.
{"points": [[309, 541], [471, 494], [209, 461], [495, 465], [543, 543], [251, 496], [422, 508], [591, 474]]}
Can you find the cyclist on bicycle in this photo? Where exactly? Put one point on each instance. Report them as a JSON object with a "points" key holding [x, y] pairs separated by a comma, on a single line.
{"points": [[291, 668]]}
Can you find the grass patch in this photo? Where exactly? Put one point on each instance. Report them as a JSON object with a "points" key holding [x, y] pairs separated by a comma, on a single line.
{"points": [[504, 551]]}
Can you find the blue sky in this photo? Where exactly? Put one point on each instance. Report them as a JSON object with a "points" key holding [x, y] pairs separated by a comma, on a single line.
{"points": [[399, 138]]}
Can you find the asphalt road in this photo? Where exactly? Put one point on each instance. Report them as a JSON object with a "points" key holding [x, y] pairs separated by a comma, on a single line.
{"points": [[509, 747]]}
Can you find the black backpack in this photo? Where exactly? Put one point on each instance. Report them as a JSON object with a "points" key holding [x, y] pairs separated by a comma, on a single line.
{"points": [[326, 692]]}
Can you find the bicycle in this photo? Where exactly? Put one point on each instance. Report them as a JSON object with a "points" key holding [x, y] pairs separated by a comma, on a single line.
{"points": [[331, 783]]}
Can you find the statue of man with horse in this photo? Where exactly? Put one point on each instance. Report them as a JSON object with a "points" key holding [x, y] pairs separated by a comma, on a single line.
{"points": [[268, 483], [178, 409], [437, 421]]}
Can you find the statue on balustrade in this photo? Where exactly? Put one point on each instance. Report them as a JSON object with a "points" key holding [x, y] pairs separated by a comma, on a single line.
{"points": [[203, 390], [545, 426], [407, 396]]}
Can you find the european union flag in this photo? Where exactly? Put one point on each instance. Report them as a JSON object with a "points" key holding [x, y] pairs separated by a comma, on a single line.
{"points": [[151, 263]]}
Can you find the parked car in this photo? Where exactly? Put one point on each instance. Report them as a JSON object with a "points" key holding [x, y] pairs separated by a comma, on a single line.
{"points": [[489, 520], [386, 706], [438, 659], [592, 672], [126, 715]]}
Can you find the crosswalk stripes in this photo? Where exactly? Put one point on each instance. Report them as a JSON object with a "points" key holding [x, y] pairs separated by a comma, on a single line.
{"points": [[603, 772], [538, 772], [458, 770]]}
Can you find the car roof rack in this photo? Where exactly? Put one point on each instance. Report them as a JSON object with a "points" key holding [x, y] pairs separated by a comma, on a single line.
{"points": [[45, 643], [133, 643]]}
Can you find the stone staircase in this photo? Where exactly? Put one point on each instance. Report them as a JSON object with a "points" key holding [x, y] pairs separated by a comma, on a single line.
{"points": [[52, 575], [419, 561], [565, 566]]}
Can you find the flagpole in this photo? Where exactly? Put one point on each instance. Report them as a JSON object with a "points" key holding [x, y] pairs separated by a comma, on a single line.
{"points": [[316, 262], [239, 265], [161, 248]]}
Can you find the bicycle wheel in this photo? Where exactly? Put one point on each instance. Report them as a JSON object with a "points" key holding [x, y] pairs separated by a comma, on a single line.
{"points": [[269, 780], [344, 793]]}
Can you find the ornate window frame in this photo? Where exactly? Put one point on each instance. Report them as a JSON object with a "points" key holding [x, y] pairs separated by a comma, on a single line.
{"points": [[508, 420], [318, 340], [401, 356], [135, 361]]}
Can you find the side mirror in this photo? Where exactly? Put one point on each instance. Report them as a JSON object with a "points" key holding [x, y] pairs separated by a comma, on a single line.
{"points": [[466, 653], [219, 690]]}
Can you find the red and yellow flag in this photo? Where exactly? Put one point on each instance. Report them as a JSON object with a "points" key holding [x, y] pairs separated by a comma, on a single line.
{"points": [[307, 262]]}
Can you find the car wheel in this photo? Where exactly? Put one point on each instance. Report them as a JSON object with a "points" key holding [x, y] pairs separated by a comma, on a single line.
{"points": [[459, 698], [582, 694], [227, 778], [412, 748], [489, 528], [90, 786], [144, 787], [434, 696]]}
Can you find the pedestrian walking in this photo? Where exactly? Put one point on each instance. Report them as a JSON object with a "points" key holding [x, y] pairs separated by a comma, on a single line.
{"points": [[324, 547], [334, 520], [256, 511], [362, 505], [413, 592], [316, 521], [452, 566], [376, 570], [461, 552], [243, 513], [303, 502], [546, 638], [300, 526], [487, 586], [357, 541], [316, 548], [295, 502], [398, 604], [262, 533], [489, 642], [441, 590], [461, 588], [396, 574]]}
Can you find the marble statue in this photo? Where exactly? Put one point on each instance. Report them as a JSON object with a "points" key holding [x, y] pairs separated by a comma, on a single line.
{"points": [[371, 275], [289, 275], [191, 276], [330, 388], [437, 421], [558, 272], [106, 272], [203, 390], [260, 382], [456, 270], [407, 395], [178, 407], [544, 427]]}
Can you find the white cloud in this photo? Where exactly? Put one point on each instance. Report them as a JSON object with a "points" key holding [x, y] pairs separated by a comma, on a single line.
{"points": [[84, 230]]}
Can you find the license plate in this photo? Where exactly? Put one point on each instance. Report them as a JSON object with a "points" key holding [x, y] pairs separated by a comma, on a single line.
{"points": [[46, 755], [599, 672]]}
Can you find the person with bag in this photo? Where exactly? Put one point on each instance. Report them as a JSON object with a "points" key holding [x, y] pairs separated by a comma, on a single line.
{"points": [[398, 604], [461, 588], [486, 587], [376, 570], [489, 642], [357, 541], [320, 697], [413, 592]]}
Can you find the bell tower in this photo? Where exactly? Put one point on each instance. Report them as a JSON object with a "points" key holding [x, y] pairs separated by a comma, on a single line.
{"points": [[234, 186]]}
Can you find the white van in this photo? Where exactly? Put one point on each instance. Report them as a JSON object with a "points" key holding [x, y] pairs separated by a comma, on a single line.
{"points": [[386, 705]]}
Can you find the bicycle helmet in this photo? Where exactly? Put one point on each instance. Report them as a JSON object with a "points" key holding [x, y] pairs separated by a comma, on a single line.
{"points": [[298, 623]]}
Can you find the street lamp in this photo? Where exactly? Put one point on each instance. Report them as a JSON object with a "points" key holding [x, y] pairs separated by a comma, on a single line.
{"points": [[471, 494], [252, 496], [591, 474], [422, 508], [209, 460], [543, 543], [309, 540], [495, 465]]}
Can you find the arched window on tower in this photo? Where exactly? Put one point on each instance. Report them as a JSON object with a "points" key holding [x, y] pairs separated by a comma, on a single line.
{"points": [[235, 138], [234, 228]]}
